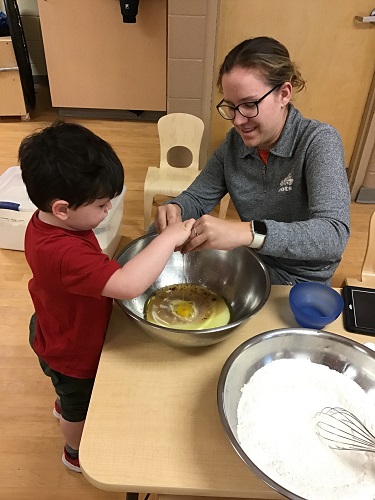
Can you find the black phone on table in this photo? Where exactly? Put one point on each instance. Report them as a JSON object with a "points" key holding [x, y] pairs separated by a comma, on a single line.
{"points": [[359, 309]]}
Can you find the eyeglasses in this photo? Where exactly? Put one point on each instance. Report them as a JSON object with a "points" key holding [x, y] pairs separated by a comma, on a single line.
{"points": [[246, 109]]}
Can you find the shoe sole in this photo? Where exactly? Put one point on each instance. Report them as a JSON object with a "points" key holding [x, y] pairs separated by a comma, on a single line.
{"points": [[69, 465]]}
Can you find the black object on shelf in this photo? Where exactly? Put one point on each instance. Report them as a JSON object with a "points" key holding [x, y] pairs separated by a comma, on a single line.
{"points": [[129, 10], [4, 28], [21, 52]]}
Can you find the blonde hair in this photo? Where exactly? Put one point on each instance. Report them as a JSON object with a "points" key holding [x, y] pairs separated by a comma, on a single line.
{"points": [[268, 56]]}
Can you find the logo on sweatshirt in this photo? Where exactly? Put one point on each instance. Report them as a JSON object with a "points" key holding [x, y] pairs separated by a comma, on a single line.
{"points": [[286, 184]]}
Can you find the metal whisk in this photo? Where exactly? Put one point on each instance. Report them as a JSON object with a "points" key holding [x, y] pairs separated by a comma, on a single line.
{"points": [[343, 430]]}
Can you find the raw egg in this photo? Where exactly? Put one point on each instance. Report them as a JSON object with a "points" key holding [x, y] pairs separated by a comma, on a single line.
{"points": [[187, 307]]}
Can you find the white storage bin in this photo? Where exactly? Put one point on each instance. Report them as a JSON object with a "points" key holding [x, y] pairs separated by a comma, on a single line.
{"points": [[13, 223]]}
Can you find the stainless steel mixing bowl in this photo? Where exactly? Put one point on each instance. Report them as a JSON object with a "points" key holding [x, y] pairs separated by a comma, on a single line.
{"points": [[237, 275], [338, 353]]}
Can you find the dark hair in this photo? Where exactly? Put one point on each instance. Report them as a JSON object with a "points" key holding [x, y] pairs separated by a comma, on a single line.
{"points": [[268, 56], [67, 161]]}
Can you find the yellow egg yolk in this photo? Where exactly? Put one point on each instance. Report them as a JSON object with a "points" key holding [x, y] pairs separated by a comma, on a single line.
{"points": [[184, 309]]}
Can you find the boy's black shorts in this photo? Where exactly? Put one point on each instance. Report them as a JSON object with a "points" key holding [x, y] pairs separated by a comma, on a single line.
{"points": [[74, 393]]}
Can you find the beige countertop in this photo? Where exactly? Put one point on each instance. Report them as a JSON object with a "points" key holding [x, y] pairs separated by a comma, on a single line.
{"points": [[153, 423]]}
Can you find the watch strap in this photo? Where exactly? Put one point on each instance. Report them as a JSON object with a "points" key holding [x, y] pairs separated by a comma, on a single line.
{"points": [[258, 239]]}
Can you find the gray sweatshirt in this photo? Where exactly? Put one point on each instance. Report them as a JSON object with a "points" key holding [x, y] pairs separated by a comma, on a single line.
{"points": [[302, 196]]}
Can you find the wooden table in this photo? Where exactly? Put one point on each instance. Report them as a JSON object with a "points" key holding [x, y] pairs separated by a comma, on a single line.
{"points": [[153, 423]]}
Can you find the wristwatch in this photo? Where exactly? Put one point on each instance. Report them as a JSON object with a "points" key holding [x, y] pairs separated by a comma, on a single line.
{"points": [[259, 230]]}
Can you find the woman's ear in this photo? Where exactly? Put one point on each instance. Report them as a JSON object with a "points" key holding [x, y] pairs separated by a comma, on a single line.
{"points": [[60, 209], [286, 93]]}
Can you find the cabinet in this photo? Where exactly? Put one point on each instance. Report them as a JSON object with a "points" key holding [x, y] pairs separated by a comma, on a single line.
{"points": [[12, 102], [95, 60]]}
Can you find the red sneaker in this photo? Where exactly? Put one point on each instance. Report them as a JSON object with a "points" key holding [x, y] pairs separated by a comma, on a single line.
{"points": [[56, 412], [69, 462]]}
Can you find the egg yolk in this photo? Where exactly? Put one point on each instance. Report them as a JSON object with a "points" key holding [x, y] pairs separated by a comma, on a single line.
{"points": [[184, 309]]}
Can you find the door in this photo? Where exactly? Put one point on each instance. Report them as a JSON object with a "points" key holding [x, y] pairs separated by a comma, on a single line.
{"points": [[335, 54]]}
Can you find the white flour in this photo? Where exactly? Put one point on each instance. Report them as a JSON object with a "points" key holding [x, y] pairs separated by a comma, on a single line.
{"points": [[276, 429]]}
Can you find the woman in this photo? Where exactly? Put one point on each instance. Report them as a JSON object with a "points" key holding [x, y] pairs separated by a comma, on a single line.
{"points": [[285, 173]]}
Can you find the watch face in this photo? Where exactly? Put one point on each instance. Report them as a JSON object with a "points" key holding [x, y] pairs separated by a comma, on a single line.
{"points": [[259, 227]]}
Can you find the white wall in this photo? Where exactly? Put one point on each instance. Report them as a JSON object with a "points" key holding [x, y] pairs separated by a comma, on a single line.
{"points": [[31, 26]]}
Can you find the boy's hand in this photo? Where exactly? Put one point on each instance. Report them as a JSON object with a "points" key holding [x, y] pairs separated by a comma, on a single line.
{"points": [[179, 231]]}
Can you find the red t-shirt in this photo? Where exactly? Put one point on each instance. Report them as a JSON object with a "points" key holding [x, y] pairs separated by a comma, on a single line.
{"points": [[263, 153], [69, 274]]}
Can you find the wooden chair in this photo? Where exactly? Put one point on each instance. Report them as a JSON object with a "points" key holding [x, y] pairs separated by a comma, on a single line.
{"points": [[175, 130], [368, 267]]}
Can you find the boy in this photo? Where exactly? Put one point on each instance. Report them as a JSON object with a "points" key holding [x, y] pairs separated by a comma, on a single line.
{"points": [[71, 175]]}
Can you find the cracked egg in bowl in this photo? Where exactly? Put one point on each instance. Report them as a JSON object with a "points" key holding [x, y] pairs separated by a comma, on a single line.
{"points": [[200, 298]]}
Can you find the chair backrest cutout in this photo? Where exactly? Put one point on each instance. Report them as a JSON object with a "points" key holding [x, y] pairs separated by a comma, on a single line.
{"points": [[179, 132]]}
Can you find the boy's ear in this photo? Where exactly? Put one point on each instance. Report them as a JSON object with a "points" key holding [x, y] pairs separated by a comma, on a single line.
{"points": [[60, 209]]}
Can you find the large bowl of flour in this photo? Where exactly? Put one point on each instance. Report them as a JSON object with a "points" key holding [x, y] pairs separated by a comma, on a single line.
{"points": [[269, 392]]}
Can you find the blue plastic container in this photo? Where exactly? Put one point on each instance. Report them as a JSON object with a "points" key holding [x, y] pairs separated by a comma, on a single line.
{"points": [[315, 305]]}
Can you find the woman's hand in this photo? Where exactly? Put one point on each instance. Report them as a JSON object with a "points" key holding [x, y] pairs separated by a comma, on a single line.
{"points": [[211, 232], [165, 215]]}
